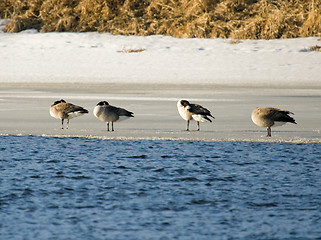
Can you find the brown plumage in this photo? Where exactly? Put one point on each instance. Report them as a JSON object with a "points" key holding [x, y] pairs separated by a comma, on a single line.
{"points": [[271, 117], [62, 110]]}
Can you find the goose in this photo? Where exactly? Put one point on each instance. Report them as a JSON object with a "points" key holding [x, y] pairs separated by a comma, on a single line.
{"points": [[190, 111], [271, 117], [110, 114], [62, 110]]}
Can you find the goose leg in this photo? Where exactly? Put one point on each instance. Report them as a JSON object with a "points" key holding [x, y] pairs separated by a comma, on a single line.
{"points": [[187, 127], [198, 125], [62, 123], [67, 123], [112, 126], [108, 126], [268, 132]]}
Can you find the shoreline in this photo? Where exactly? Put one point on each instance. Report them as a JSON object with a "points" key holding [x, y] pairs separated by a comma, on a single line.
{"points": [[124, 138], [25, 112]]}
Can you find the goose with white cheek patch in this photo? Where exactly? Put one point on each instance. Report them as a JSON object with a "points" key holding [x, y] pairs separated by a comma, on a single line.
{"points": [[62, 110], [110, 114], [271, 117], [190, 111]]}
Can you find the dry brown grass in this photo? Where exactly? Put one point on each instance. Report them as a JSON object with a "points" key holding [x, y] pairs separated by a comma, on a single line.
{"points": [[235, 41], [131, 50], [236, 19]]}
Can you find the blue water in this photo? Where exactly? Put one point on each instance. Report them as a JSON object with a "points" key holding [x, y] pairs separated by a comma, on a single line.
{"points": [[78, 188]]}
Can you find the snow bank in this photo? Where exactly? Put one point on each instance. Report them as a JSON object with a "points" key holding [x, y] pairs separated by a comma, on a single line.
{"points": [[30, 56]]}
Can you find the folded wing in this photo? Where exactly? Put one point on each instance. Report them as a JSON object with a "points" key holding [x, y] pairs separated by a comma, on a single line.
{"points": [[279, 115], [200, 113]]}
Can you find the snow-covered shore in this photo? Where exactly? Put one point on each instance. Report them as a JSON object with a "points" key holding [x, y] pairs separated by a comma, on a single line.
{"points": [[30, 56], [147, 75]]}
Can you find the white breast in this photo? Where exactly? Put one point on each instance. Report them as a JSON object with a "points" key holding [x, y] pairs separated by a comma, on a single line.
{"points": [[186, 115], [53, 113], [103, 114], [98, 112]]}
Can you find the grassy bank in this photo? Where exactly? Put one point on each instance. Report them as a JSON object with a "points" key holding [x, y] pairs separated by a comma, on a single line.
{"points": [[239, 19]]}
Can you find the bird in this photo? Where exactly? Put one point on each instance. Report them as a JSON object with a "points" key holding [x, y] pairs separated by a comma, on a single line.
{"points": [[62, 110], [190, 111], [110, 114], [271, 117]]}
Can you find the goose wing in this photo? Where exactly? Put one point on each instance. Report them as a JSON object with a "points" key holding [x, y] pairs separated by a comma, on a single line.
{"points": [[199, 110], [71, 108], [120, 111], [280, 115]]}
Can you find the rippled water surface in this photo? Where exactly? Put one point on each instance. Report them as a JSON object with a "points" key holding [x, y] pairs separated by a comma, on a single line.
{"points": [[78, 188]]}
